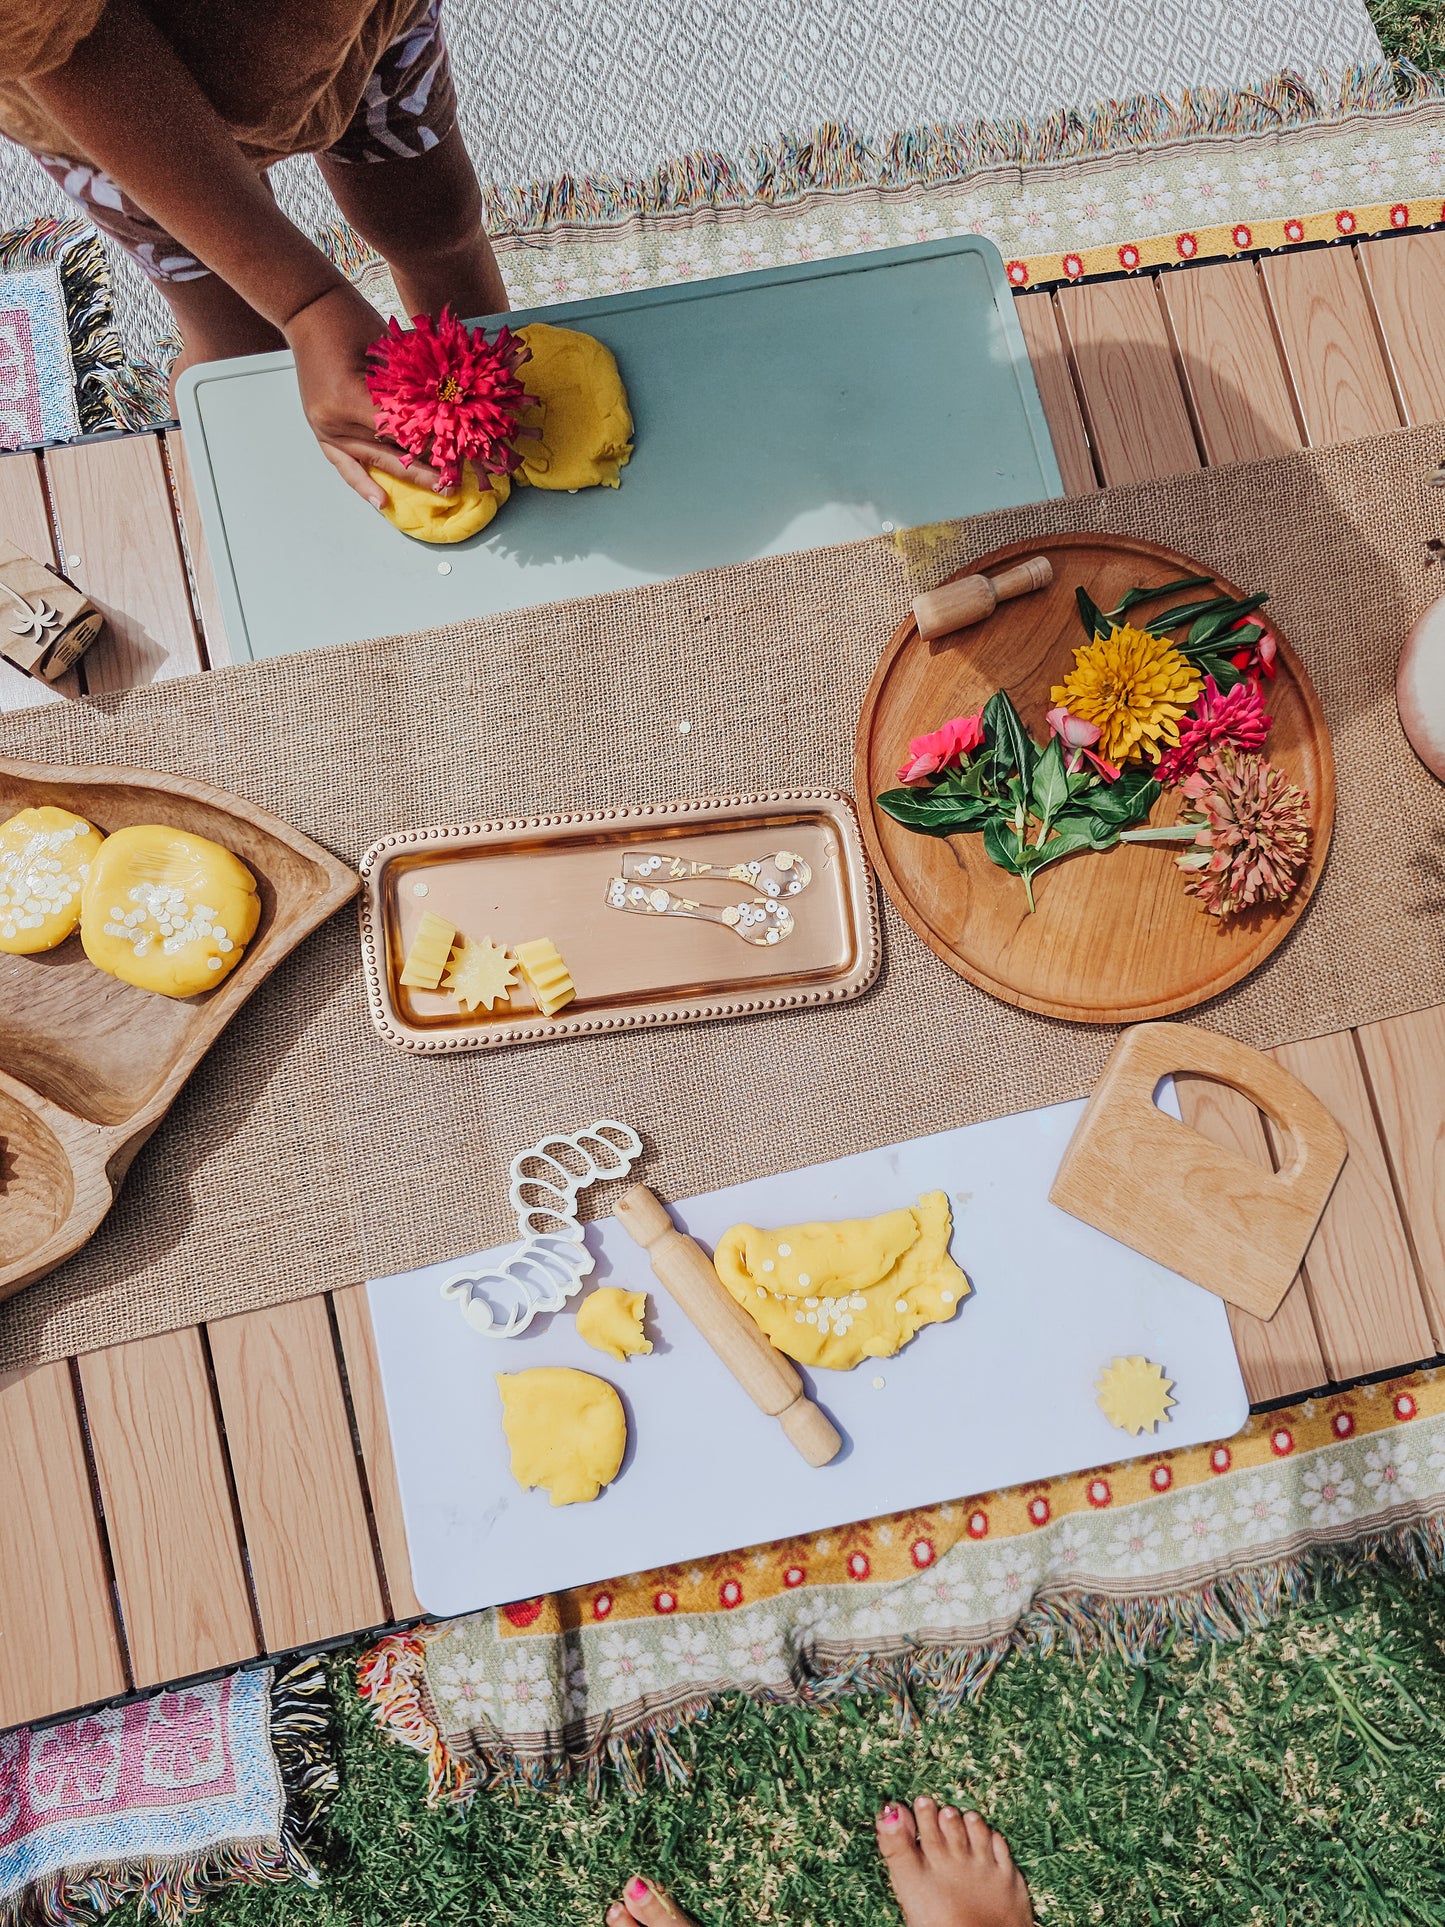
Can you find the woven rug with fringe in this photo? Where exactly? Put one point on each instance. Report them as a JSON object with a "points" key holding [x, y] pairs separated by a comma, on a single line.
{"points": [[1209, 1543], [166, 1798]]}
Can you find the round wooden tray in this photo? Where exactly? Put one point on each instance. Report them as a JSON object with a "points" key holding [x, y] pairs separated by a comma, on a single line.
{"points": [[1115, 939]]}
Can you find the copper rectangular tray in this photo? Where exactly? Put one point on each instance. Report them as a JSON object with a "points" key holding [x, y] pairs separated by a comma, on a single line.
{"points": [[547, 876]]}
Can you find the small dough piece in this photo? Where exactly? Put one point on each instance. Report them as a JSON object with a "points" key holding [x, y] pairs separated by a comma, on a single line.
{"points": [[428, 517], [479, 973], [45, 857], [547, 977], [610, 1320], [586, 425], [566, 1431], [835, 1294], [1133, 1395], [430, 953], [167, 911]]}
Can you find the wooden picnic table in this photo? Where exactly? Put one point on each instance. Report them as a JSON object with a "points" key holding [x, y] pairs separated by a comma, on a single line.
{"points": [[200, 1499]]}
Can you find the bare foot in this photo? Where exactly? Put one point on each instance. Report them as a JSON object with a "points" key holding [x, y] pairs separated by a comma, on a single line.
{"points": [[643, 1901], [950, 1869]]}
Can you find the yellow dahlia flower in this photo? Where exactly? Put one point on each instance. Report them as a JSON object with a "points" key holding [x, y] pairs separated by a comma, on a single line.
{"points": [[1135, 686]]}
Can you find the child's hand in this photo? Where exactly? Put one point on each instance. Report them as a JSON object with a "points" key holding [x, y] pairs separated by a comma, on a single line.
{"points": [[329, 338]]}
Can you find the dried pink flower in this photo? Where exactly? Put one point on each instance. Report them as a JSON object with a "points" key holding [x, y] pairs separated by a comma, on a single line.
{"points": [[1253, 837], [445, 394], [950, 743], [1236, 716]]}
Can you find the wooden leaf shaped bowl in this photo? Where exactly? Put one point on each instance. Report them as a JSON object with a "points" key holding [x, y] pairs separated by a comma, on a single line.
{"points": [[88, 1065]]}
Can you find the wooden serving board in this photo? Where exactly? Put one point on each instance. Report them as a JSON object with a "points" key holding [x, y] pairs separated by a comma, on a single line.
{"points": [[1115, 938]]}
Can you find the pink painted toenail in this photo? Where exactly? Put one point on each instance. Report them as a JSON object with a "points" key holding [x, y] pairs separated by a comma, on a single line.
{"points": [[891, 1815], [639, 1890]]}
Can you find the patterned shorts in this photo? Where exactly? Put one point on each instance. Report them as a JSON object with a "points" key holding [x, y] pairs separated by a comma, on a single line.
{"points": [[408, 106]]}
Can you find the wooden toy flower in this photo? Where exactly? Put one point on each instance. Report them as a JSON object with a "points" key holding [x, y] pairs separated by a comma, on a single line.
{"points": [[1136, 686], [1237, 716], [445, 394]]}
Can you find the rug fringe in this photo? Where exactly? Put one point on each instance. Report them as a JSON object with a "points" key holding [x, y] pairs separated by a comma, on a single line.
{"points": [[74, 247], [1224, 1610], [173, 1888]]}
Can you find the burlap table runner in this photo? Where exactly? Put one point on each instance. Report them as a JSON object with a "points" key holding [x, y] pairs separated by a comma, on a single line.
{"points": [[306, 1153]]}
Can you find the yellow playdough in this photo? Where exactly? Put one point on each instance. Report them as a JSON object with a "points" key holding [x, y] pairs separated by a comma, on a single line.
{"points": [[547, 976], [430, 952], [586, 424], [429, 517], [1133, 1394], [479, 973], [610, 1320], [167, 911], [566, 1431], [45, 857], [835, 1294]]}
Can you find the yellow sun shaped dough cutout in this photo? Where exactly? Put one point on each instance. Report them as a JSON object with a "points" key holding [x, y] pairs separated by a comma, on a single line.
{"points": [[586, 425], [547, 977], [566, 1431], [835, 1294], [480, 974], [420, 512], [430, 953], [167, 911], [45, 857], [1134, 1395], [610, 1320]]}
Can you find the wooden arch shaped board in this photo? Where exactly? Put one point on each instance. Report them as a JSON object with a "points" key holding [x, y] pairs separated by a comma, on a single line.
{"points": [[1115, 938]]}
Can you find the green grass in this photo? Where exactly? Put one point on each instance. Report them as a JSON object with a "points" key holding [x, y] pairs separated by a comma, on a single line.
{"points": [[1296, 1777], [1411, 29]]}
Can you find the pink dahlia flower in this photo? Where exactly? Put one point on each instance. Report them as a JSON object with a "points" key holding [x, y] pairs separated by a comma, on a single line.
{"points": [[445, 394], [950, 743]]}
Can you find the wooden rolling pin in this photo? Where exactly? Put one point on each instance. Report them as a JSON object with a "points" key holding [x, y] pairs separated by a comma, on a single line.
{"points": [[769, 1380], [972, 597]]}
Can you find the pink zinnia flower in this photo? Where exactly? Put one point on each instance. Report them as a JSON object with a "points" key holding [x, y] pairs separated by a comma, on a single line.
{"points": [[927, 755], [1237, 718], [1079, 738], [445, 394]]}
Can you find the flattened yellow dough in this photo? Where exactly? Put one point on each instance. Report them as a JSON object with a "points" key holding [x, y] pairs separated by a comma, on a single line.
{"points": [[45, 857], [167, 911], [610, 1320], [586, 424], [566, 1431], [420, 512], [835, 1294]]}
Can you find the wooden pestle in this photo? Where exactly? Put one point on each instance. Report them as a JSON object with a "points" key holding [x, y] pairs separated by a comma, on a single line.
{"points": [[769, 1379], [972, 597]]}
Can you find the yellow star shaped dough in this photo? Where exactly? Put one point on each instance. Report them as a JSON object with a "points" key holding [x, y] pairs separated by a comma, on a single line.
{"points": [[1133, 1394], [480, 973]]}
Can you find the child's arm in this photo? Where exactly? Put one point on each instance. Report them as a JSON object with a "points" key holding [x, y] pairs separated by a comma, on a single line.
{"points": [[128, 103]]}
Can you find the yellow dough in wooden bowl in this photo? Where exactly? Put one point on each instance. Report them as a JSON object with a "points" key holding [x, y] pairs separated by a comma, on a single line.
{"points": [[586, 424], [835, 1294], [167, 911], [45, 857], [610, 1320], [420, 512], [566, 1431]]}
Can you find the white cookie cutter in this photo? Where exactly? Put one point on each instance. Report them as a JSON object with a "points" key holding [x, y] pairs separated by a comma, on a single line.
{"points": [[549, 1265]]}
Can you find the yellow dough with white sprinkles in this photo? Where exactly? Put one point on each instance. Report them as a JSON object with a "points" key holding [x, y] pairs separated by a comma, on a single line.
{"points": [[167, 911], [428, 517], [835, 1294], [586, 425], [45, 857], [566, 1431]]}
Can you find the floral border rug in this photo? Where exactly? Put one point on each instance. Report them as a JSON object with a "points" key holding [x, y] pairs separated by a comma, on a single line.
{"points": [[1212, 1542]]}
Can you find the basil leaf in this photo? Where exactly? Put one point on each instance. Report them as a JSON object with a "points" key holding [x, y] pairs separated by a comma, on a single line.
{"points": [[935, 812], [1012, 748], [1068, 842], [967, 781], [1049, 790], [1222, 668], [1127, 801], [1001, 845], [1097, 834], [1095, 622]]}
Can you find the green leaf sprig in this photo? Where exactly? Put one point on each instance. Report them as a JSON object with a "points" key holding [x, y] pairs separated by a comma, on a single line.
{"points": [[1212, 641]]}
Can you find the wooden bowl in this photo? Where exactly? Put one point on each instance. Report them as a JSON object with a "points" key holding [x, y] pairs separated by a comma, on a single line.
{"points": [[1116, 939], [89, 1065]]}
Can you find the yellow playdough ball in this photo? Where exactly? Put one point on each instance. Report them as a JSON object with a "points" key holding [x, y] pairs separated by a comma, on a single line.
{"points": [[45, 857], [586, 424], [566, 1431], [429, 517], [610, 1320], [167, 911]]}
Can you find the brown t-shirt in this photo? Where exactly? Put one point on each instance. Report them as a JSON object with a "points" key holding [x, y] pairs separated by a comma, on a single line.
{"points": [[285, 75]]}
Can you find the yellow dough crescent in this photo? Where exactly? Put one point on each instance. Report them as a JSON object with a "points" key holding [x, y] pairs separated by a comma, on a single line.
{"points": [[566, 1431], [586, 425], [420, 512], [835, 1294], [610, 1320], [45, 857], [167, 911]]}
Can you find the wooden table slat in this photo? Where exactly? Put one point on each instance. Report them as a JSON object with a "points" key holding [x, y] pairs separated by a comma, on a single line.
{"points": [[1404, 1058], [1050, 362], [1367, 1303], [297, 1479], [1405, 281], [59, 1645], [1133, 403], [1338, 373], [25, 521], [368, 1405], [1231, 362], [162, 1473], [213, 623], [113, 505]]}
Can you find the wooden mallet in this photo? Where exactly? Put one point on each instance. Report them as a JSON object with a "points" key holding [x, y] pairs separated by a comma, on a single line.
{"points": [[955, 605], [681, 1264]]}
